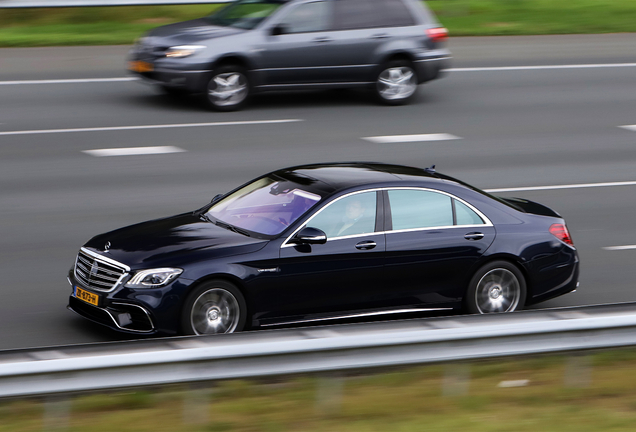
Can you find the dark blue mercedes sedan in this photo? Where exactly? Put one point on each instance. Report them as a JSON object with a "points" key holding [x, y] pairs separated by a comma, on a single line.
{"points": [[319, 243]]}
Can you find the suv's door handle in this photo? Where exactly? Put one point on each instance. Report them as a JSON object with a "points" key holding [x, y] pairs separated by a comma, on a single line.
{"points": [[366, 245], [380, 36], [323, 39], [474, 236]]}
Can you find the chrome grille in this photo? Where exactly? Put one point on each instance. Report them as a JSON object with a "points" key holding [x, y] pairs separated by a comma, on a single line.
{"points": [[97, 272]]}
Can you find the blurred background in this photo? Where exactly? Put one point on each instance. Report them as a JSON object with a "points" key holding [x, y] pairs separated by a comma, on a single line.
{"points": [[541, 95]]}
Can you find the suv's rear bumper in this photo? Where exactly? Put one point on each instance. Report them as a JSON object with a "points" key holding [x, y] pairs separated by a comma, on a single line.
{"points": [[431, 64]]}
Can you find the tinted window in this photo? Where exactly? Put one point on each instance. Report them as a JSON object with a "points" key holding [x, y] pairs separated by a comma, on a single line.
{"points": [[357, 14], [420, 209], [266, 206], [466, 216], [309, 17], [352, 215], [245, 14]]}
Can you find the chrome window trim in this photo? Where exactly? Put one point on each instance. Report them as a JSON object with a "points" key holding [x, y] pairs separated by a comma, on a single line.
{"points": [[487, 222], [105, 260]]}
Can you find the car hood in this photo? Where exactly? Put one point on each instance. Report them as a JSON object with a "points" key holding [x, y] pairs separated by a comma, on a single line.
{"points": [[189, 31], [171, 242]]}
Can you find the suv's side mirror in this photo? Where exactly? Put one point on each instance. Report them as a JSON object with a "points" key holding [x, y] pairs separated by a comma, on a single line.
{"points": [[216, 198], [278, 30], [310, 236]]}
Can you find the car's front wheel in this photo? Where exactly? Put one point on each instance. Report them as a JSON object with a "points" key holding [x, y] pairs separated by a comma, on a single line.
{"points": [[396, 83], [214, 307], [228, 88], [496, 287]]}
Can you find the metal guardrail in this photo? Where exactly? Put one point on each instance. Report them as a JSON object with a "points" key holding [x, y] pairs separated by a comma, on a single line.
{"points": [[14, 4], [313, 349]]}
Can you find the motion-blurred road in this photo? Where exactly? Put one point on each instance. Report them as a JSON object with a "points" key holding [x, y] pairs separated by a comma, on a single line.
{"points": [[518, 127]]}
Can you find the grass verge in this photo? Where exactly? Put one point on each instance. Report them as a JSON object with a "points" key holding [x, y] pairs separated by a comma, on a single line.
{"points": [[121, 25], [403, 400]]}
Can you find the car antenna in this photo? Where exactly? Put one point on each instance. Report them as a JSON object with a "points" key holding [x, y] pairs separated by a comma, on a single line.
{"points": [[430, 169]]}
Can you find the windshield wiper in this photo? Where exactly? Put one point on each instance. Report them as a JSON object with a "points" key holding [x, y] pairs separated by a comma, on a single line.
{"points": [[231, 228]]}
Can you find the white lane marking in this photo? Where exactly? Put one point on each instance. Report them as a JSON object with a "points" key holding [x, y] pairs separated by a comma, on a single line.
{"points": [[544, 67], [629, 127], [513, 383], [69, 81], [618, 248], [411, 138], [567, 186], [130, 151], [159, 126]]}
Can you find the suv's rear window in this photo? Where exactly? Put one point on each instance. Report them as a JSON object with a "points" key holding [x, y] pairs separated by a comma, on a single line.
{"points": [[359, 14]]}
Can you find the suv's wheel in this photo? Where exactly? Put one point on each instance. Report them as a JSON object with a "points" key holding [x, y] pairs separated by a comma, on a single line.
{"points": [[214, 307], [228, 88], [396, 83], [496, 287]]}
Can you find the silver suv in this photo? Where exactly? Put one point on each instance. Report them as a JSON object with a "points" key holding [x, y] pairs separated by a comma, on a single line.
{"points": [[252, 46]]}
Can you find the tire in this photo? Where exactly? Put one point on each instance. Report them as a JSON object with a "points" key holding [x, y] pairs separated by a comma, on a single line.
{"points": [[214, 307], [498, 286], [228, 88], [396, 84]]}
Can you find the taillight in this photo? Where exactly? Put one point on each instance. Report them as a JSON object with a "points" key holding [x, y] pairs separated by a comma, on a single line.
{"points": [[437, 34], [561, 232]]}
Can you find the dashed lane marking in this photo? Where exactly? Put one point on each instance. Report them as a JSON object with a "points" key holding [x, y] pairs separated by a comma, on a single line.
{"points": [[566, 186], [132, 151], [411, 138]]}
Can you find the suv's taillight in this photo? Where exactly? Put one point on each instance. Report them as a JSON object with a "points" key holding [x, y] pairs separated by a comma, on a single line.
{"points": [[561, 232], [437, 34]]}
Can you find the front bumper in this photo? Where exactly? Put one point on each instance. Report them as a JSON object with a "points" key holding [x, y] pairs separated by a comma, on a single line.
{"points": [[157, 70], [135, 311]]}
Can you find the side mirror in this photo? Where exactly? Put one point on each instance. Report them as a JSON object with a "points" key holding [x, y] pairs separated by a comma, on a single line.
{"points": [[310, 236], [216, 198], [278, 30]]}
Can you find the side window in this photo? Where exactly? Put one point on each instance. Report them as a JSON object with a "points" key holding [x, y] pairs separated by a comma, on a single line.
{"points": [[359, 14], [356, 14], [466, 216], [308, 17], [352, 215], [411, 209]]}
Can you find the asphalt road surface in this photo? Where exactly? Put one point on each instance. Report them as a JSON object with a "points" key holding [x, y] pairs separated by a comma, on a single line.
{"points": [[515, 127]]}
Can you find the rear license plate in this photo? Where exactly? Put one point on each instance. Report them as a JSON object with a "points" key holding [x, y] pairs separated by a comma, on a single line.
{"points": [[140, 66], [86, 296]]}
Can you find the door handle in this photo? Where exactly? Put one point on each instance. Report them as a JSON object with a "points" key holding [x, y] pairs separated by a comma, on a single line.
{"points": [[323, 39], [366, 245], [380, 36], [474, 236]]}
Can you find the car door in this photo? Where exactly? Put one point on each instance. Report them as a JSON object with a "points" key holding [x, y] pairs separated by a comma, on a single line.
{"points": [[346, 272], [296, 48], [433, 240]]}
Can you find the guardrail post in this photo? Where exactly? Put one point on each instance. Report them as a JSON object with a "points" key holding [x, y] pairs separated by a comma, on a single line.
{"points": [[578, 371], [56, 415], [456, 379], [329, 393], [196, 404]]}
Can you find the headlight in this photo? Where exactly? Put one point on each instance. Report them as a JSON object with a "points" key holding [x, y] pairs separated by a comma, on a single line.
{"points": [[183, 50], [153, 278]]}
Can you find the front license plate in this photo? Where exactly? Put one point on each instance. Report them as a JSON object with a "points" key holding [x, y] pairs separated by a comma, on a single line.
{"points": [[86, 296], [140, 66]]}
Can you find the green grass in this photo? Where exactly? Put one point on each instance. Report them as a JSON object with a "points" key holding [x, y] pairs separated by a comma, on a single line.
{"points": [[121, 25], [402, 400]]}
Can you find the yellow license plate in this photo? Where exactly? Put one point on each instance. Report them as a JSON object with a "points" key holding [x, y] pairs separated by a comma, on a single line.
{"points": [[140, 66], [86, 296]]}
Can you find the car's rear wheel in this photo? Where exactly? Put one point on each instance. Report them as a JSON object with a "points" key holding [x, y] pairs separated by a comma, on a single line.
{"points": [[396, 83], [215, 307], [228, 88], [496, 287]]}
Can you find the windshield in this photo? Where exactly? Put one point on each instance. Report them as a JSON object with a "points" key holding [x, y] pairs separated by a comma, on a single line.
{"points": [[266, 206], [245, 14]]}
